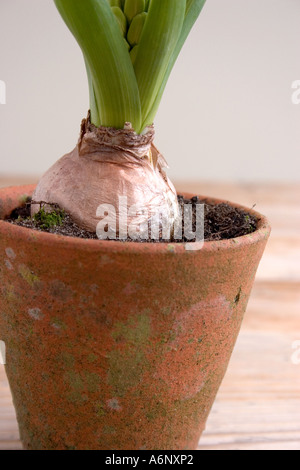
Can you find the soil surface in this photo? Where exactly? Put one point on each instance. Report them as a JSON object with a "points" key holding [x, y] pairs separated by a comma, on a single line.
{"points": [[222, 221]]}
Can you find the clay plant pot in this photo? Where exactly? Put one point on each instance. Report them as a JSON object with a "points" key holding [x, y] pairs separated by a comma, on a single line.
{"points": [[115, 345]]}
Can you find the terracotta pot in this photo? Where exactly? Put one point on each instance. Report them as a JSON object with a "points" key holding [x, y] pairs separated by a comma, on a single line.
{"points": [[115, 345]]}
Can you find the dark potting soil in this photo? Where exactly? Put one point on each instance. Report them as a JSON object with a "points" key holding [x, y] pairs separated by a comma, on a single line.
{"points": [[221, 221]]}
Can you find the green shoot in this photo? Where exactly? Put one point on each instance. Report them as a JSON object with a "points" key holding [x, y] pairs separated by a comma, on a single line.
{"points": [[115, 87], [130, 48], [159, 38], [193, 10]]}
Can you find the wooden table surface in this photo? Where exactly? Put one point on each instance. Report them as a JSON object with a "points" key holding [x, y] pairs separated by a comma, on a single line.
{"points": [[258, 404]]}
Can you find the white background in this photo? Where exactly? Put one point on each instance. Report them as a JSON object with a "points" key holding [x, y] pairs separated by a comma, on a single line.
{"points": [[227, 113]]}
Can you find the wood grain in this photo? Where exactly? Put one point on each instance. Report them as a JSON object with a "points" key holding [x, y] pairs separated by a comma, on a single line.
{"points": [[258, 404]]}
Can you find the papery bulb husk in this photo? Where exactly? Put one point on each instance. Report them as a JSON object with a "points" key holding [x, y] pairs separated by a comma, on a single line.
{"points": [[106, 164]]}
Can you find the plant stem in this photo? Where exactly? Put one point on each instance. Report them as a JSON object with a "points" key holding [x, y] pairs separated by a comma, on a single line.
{"points": [[109, 66], [159, 38], [193, 10]]}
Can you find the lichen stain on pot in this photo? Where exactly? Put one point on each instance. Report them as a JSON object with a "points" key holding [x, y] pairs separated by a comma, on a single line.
{"points": [[11, 257], [60, 290], [130, 289], [114, 404], [28, 275], [10, 253], [197, 335], [128, 359], [35, 313], [8, 264]]}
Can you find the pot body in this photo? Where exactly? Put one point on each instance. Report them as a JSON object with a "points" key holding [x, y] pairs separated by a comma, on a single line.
{"points": [[115, 345]]}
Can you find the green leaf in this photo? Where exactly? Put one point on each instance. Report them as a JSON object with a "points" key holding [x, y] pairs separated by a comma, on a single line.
{"points": [[110, 70], [160, 35], [95, 116], [193, 10]]}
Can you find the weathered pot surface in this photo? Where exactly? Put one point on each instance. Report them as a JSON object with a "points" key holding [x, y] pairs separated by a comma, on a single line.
{"points": [[115, 345]]}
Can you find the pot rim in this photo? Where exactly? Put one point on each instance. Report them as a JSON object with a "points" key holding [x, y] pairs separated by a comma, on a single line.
{"points": [[50, 239]]}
